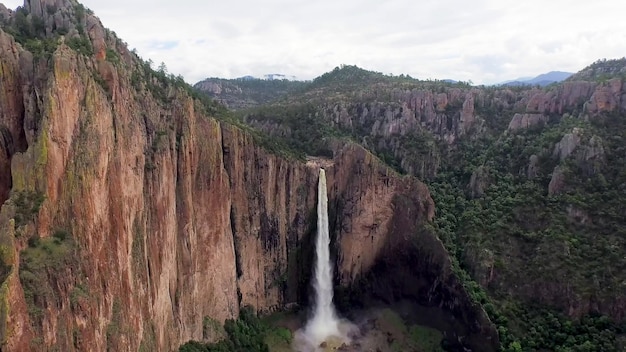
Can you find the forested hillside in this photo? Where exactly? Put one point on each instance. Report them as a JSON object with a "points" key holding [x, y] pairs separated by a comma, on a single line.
{"points": [[528, 183]]}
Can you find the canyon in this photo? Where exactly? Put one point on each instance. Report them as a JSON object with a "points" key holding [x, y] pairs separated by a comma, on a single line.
{"points": [[130, 213]]}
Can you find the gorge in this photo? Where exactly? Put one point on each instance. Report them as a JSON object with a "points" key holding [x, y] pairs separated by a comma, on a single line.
{"points": [[137, 214], [133, 212]]}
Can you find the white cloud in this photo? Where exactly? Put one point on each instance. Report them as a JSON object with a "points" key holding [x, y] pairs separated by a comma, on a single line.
{"points": [[485, 41]]}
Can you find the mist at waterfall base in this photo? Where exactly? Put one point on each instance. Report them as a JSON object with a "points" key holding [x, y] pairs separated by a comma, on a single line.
{"points": [[324, 326]]}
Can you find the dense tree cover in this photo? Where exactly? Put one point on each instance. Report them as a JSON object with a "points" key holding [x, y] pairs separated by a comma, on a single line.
{"points": [[31, 33], [517, 235], [602, 70], [352, 77], [246, 334], [304, 132], [344, 81]]}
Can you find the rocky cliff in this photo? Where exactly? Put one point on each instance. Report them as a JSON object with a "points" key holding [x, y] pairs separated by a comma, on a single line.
{"points": [[401, 119], [390, 225], [129, 215]]}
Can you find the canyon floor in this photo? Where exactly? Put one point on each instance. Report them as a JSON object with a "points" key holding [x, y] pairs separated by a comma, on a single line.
{"points": [[381, 329]]}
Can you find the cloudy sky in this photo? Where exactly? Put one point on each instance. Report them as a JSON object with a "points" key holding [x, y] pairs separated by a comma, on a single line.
{"points": [[486, 41]]}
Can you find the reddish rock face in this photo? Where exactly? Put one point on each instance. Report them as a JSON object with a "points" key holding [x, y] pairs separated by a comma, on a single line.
{"points": [[11, 110], [5, 165]]}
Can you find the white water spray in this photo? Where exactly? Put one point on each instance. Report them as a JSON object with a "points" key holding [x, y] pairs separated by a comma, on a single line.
{"points": [[324, 325]]}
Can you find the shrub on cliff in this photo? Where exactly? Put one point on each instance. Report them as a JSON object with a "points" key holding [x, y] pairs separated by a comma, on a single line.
{"points": [[45, 258]]}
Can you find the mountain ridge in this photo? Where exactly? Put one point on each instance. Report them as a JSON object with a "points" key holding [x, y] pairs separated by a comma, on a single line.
{"points": [[344, 73], [542, 80]]}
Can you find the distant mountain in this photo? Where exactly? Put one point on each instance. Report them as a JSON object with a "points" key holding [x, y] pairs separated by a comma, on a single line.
{"points": [[541, 80], [248, 91], [279, 76], [270, 77], [520, 79]]}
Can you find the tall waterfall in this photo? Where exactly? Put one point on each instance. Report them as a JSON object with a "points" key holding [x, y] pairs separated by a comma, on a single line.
{"points": [[324, 322], [324, 325]]}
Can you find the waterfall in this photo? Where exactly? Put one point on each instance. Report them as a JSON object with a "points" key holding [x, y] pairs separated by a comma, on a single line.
{"points": [[324, 325], [324, 322]]}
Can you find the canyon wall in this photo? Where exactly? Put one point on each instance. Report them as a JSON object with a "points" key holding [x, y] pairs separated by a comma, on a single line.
{"points": [[403, 124], [129, 216]]}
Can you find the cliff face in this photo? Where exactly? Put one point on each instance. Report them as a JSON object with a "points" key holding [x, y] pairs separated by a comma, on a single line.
{"points": [[386, 254], [129, 216], [403, 124], [12, 113]]}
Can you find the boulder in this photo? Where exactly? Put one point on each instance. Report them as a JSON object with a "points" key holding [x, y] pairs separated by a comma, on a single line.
{"points": [[568, 144]]}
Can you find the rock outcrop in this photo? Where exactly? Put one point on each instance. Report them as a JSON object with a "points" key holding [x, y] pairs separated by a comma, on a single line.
{"points": [[568, 144], [5, 14], [524, 121], [479, 182], [588, 153], [533, 167], [215, 88], [557, 182], [610, 96], [448, 115], [592, 156]]}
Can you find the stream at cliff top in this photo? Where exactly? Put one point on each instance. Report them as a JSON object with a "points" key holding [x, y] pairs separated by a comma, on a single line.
{"points": [[324, 329]]}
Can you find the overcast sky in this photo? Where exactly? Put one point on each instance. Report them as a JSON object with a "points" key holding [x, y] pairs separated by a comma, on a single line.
{"points": [[486, 41]]}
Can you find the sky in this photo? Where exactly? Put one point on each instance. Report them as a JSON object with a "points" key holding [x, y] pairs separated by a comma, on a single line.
{"points": [[483, 41]]}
